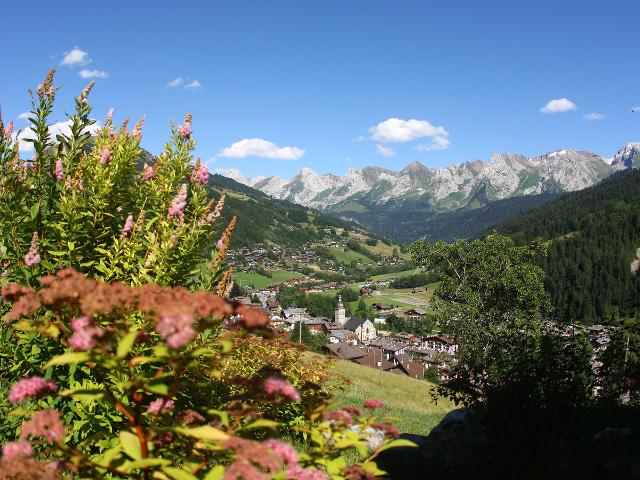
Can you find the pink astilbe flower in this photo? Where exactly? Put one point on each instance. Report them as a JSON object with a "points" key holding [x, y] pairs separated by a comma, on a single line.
{"points": [[177, 329], [176, 210], [284, 450], [30, 387], [45, 423], [104, 156], [200, 174], [59, 172], [32, 257], [219, 244], [128, 225], [388, 429], [85, 334], [185, 128], [20, 448], [161, 405], [147, 172], [274, 385], [373, 404], [299, 473], [8, 130]]}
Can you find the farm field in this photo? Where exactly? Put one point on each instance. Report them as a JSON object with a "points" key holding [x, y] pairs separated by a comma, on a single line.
{"points": [[245, 279]]}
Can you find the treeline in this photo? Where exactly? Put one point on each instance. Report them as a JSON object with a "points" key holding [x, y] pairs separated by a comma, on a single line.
{"points": [[594, 235], [415, 280]]}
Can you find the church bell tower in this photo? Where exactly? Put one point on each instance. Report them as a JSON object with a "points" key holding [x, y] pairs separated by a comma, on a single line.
{"points": [[340, 315]]}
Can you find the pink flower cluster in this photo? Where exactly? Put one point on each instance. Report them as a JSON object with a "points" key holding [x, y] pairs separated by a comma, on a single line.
{"points": [[45, 423], [299, 473], [20, 448], [59, 172], [104, 156], [373, 404], [32, 257], [177, 329], [128, 225], [30, 387], [147, 172], [161, 405], [339, 416], [176, 210], [274, 385], [85, 334], [285, 451], [200, 174]]}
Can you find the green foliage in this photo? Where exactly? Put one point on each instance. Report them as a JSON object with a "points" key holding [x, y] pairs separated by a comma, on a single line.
{"points": [[148, 413], [621, 365], [416, 326], [415, 280], [594, 235], [315, 341]]}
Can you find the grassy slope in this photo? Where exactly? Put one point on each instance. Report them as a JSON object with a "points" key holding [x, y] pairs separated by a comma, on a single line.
{"points": [[346, 257], [260, 281], [406, 399]]}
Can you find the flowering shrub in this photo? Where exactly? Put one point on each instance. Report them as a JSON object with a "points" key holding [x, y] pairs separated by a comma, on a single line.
{"points": [[148, 346]]}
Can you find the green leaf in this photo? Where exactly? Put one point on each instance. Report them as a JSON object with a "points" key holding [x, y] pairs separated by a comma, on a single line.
{"points": [[125, 345], [83, 394], [217, 473], [149, 462], [262, 423], [34, 210], [130, 445], [206, 432], [158, 386], [67, 358], [395, 444], [178, 474]]}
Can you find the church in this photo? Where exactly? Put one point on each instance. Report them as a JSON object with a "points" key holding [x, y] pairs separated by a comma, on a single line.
{"points": [[362, 327]]}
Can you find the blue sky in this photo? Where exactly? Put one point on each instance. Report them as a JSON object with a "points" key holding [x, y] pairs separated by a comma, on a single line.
{"points": [[332, 85]]}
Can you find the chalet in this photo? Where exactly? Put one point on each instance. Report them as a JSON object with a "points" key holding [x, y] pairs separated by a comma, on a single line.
{"points": [[418, 289], [337, 335], [290, 312], [380, 320], [389, 348], [440, 343], [412, 369], [345, 351], [366, 291], [382, 307], [413, 313]]}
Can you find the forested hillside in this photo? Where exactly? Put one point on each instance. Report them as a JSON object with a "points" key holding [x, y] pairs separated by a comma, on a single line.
{"points": [[594, 236]]}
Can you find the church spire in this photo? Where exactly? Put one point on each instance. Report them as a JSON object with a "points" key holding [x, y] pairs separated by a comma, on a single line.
{"points": [[340, 317]]}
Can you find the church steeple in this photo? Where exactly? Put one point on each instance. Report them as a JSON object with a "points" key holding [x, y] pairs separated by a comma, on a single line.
{"points": [[340, 315]]}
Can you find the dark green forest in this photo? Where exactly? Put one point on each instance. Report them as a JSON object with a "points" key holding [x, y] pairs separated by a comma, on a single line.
{"points": [[594, 235]]}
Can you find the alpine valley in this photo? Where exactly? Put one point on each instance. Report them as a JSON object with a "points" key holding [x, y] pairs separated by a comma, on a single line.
{"points": [[460, 200]]}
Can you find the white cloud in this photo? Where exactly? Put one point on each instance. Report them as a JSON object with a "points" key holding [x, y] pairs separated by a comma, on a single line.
{"points": [[84, 73], [194, 85], [396, 130], [635, 109], [54, 129], [594, 116], [439, 143], [360, 138], [558, 105], [76, 57], [24, 116], [257, 147], [385, 151], [175, 82]]}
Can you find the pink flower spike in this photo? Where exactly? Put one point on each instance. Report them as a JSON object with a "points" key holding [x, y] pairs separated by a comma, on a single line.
{"points": [[128, 225], [176, 210], [161, 405], [20, 448], [32, 258], [147, 173], [274, 385], [220, 244], [59, 173], [31, 387], [104, 156], [200, 174], [85, 334], [185, 131], [176, 329], [8, 130], [373, 404]]}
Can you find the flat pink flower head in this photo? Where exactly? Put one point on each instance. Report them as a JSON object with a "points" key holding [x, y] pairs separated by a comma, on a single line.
{"points": [[373, 404], [85, 334], [45, 423], [20, 448], [161, 405], [273, 385], [30, 387], [104, 156], [200, 174], [177, 329], [284, 450], [32, 257], [59, 172]]}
